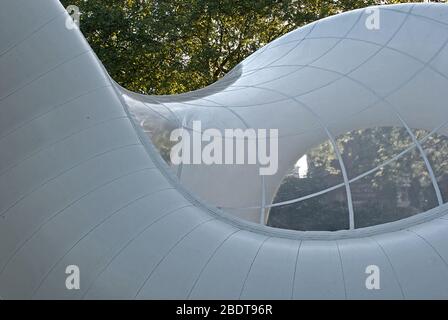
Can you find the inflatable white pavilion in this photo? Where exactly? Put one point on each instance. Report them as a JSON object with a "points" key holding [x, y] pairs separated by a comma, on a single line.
{"points": [[82, 184]]}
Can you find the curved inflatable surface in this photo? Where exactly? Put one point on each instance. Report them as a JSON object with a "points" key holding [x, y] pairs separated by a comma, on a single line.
{"points": [[80, 183]]}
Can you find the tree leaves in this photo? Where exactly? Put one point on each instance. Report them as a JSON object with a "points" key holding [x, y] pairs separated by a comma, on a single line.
{"points": [[167, 47]]}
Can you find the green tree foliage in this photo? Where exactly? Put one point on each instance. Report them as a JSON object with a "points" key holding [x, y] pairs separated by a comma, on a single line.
{"points": [[174, 46]]}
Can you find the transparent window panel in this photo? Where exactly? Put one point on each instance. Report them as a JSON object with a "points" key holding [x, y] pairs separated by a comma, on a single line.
{"points": [[363, 150], [158, 129], [397, 191], [436, 149], [318, 169], [368, 135], [157, 122], [421, 134], [326, 212]]}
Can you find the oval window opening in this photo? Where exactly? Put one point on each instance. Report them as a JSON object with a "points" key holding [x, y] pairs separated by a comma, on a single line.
{"points": [[389, 179]]}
